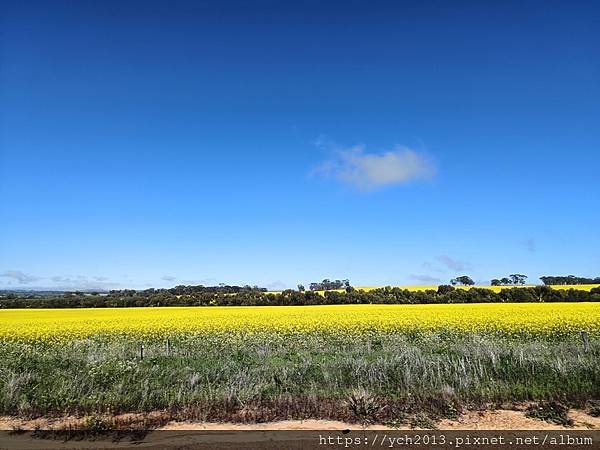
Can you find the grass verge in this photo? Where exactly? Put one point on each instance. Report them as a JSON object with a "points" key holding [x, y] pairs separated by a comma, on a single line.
{"points": [[261, 377]]}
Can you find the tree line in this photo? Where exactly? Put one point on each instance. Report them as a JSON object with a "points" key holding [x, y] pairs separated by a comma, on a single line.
{"points": [[192, 296], [517, 279], [568, 279], [327, 285]]}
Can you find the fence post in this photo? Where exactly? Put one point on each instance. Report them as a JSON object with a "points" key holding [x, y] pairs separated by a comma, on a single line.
{"points": [[141, 351], [586, 341], [168, 347]]}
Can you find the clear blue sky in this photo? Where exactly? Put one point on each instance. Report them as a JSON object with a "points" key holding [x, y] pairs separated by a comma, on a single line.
{"points": [[271, 143]]}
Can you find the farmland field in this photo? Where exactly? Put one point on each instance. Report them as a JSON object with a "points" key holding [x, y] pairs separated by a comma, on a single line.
{"points": [[267, 363], [550, 319]]}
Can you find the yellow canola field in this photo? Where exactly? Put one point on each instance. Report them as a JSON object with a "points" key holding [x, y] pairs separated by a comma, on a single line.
{"points": [[512, 319]]}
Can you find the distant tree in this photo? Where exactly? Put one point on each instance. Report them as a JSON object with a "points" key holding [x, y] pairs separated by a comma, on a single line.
{"points": [[301, 288], [569, 279], [542, 292], [517, 278], [462, 280], [444, 289], [328, 285], [505, 281], [496, 282], [467, 281]]}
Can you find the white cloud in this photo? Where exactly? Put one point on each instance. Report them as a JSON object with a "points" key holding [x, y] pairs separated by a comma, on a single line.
{"points": [[83, 282], [432, 267], [530, 245], [370, 171], [425, 278], [453, 264], [202, 281], [18, 276], [276, 286]]}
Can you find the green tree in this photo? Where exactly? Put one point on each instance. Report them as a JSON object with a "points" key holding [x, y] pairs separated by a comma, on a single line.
{"points": [[462, 280], [517, 278]]}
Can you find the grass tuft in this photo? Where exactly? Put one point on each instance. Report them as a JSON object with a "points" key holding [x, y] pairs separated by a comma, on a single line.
{"points": [[552, 412]]}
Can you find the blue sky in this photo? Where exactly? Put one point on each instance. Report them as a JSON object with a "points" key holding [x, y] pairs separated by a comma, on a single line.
{"points": [[271, 143]]}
